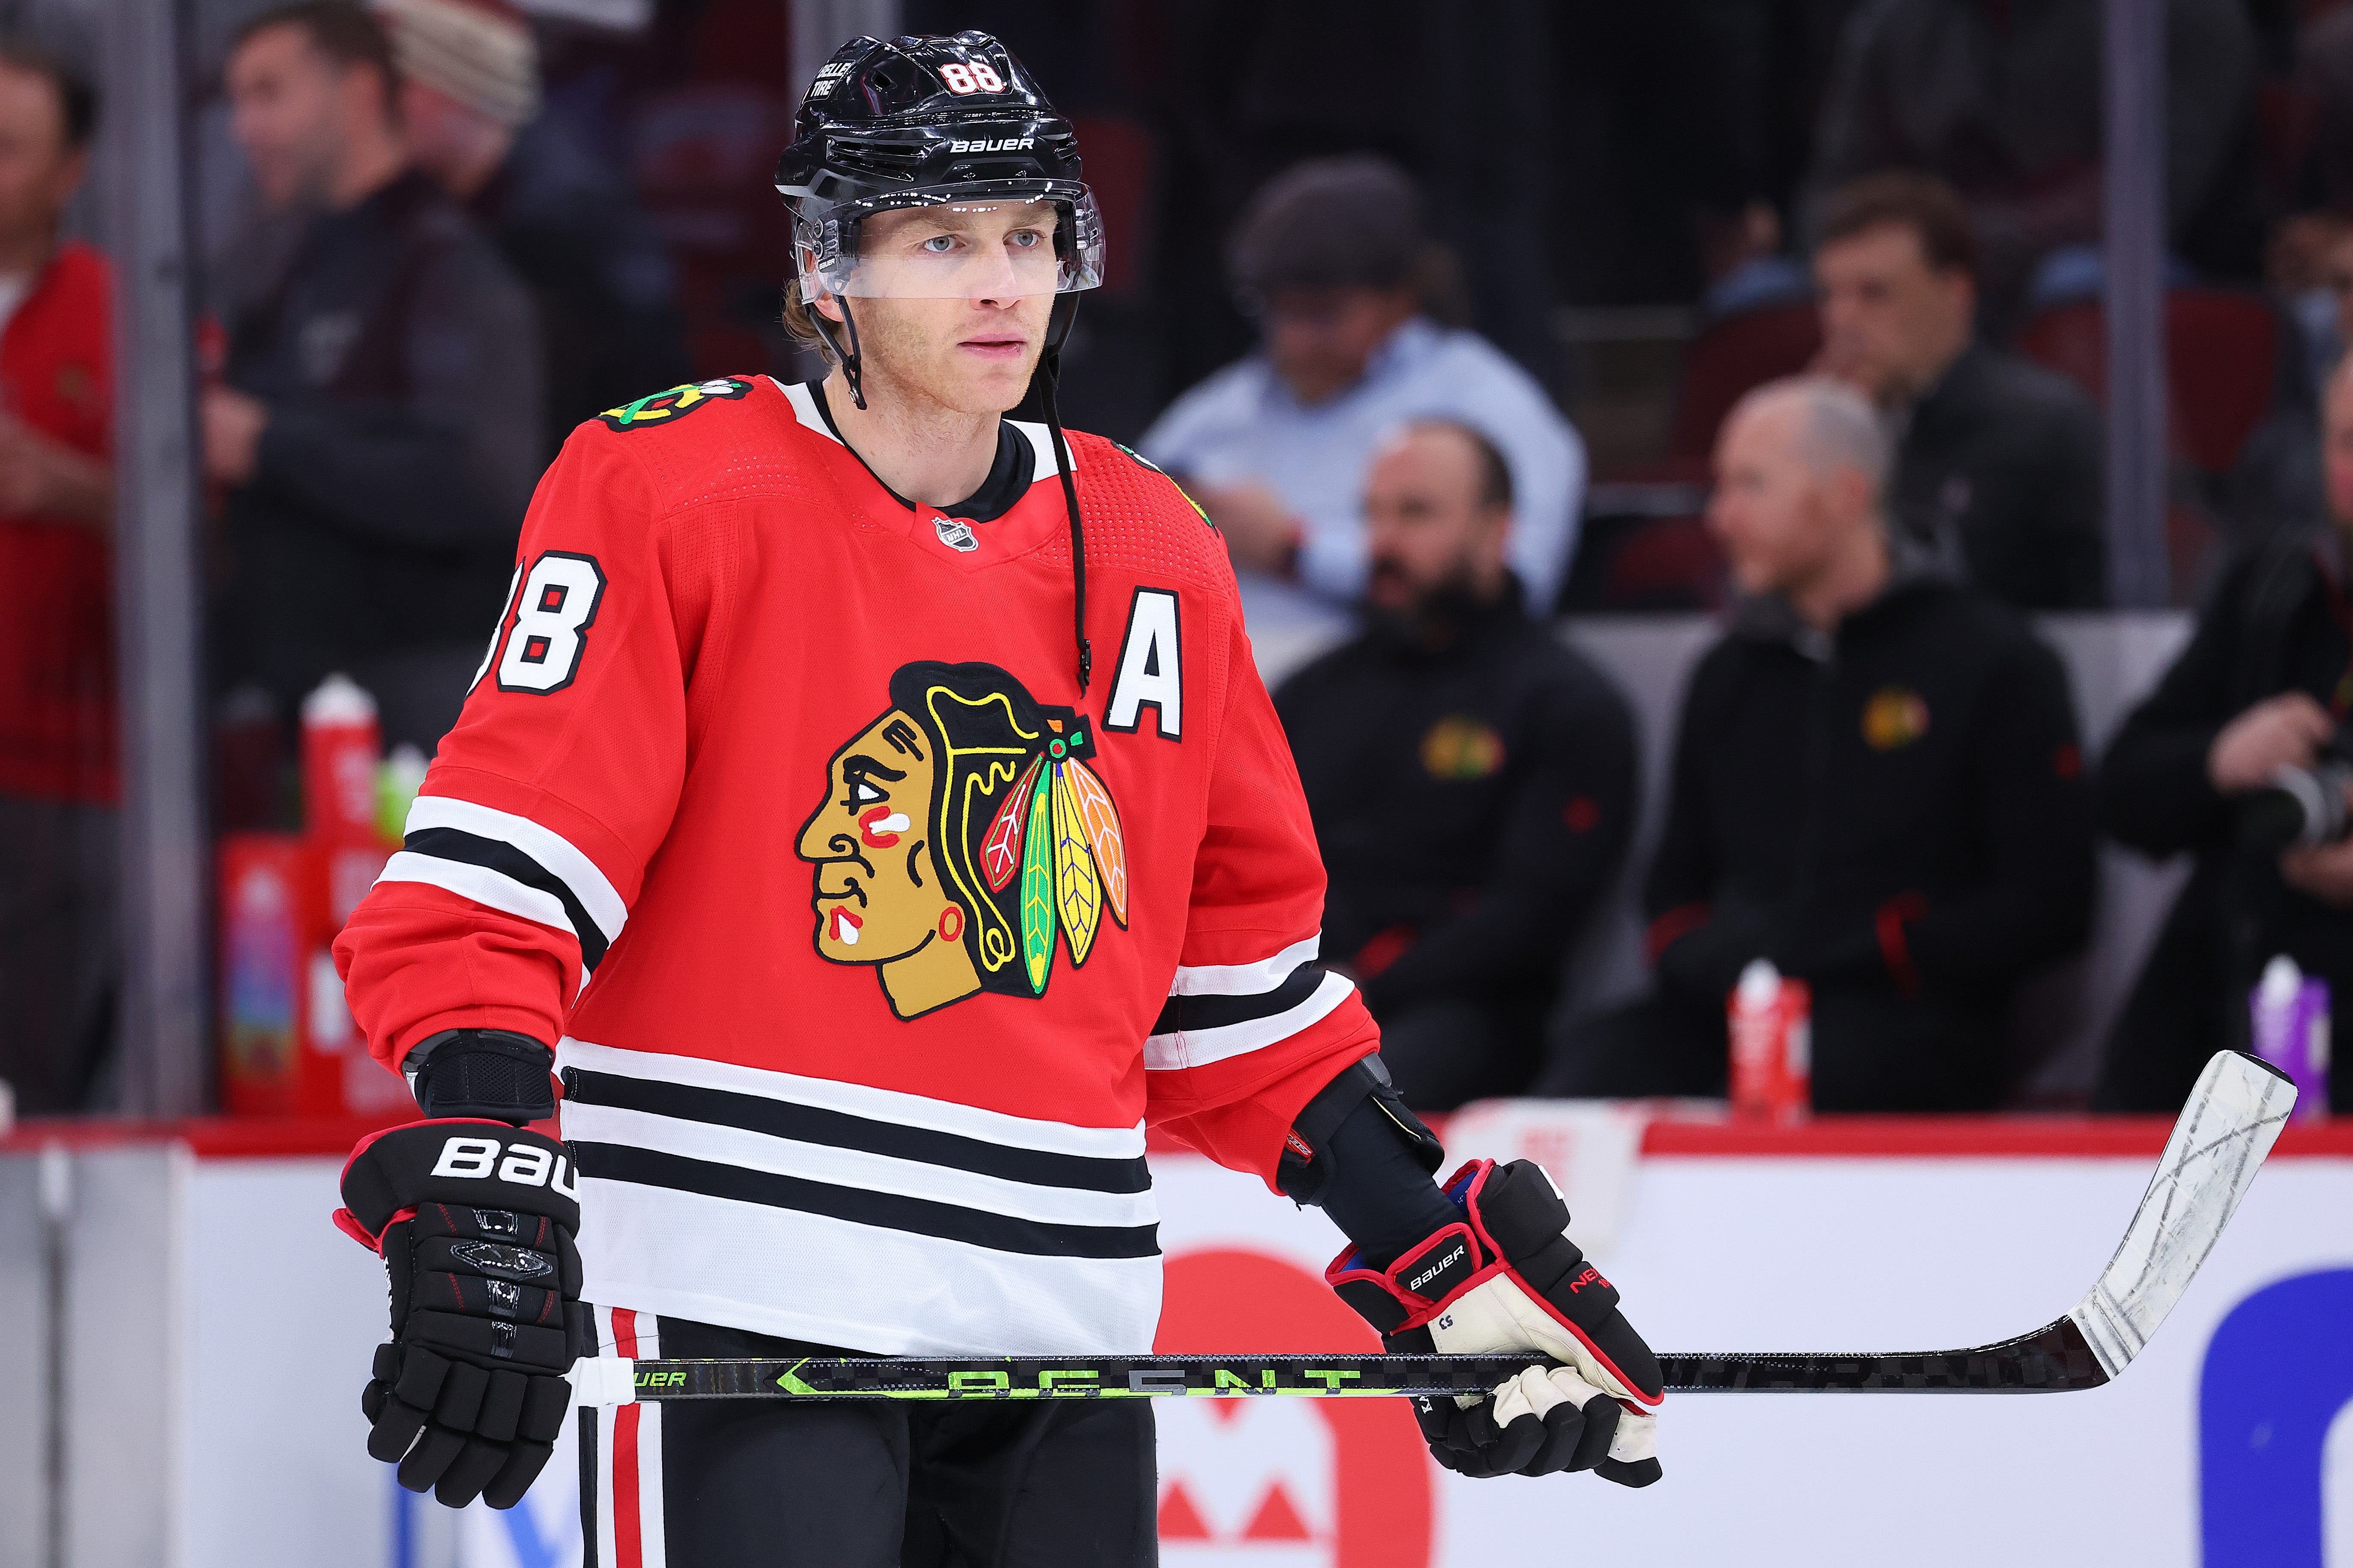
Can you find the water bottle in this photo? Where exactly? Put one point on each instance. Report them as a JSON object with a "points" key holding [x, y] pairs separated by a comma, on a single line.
{"points": [[1770, 1021], [2289, 1015], [341, 746]]}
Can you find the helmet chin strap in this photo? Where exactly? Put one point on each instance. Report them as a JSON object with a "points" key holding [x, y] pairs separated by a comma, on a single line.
{"points": [[1058, 328], [854, 366]]}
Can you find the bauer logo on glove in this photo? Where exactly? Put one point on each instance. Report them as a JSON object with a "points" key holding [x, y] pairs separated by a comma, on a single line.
{"points": [[476, 1236], [1506, 1278]]}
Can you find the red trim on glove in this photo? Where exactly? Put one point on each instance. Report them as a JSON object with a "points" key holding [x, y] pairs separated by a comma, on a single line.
{"points": [[349, 1224], [1420, 1310]]}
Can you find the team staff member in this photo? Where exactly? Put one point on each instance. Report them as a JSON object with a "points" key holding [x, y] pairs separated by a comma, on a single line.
{"points": [[898, 919], [1471, 779], [1876, 787], [2264, 685], [58, 776], [378, 430], [1999, 462]]}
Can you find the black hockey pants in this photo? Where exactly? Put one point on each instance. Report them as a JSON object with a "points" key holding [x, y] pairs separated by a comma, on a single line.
{"points": [[856, 1483]]}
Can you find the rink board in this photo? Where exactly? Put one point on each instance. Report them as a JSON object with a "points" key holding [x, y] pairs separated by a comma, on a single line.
{"points": [[2238, 1417]]}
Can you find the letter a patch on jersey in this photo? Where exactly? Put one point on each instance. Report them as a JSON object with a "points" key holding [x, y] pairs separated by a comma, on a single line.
{"points": [[1151, 668], [962, 833]]}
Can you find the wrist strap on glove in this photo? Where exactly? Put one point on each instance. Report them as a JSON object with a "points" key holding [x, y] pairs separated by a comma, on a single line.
{"points": [[483, 1073]]}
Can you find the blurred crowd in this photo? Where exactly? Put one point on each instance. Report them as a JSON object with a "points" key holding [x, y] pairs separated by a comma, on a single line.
{"points": [[1374, 270]]}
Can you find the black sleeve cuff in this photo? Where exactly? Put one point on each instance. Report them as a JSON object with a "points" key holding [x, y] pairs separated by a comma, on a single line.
{"points": [[494, 1074]]}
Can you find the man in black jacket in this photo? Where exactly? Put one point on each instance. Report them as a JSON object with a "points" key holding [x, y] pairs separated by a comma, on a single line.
{"points": [[1471, 779], [379, 429], [1876, 788], [564, 219], [2264, 685], [1998, 461]]}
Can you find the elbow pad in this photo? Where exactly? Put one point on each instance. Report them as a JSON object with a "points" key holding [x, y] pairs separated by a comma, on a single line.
{"points": [[492, 1075]]}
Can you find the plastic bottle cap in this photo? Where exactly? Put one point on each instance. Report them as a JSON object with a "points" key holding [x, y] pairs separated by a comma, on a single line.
{"points": [[1759, 984], [2282, 980], [339, 699]]}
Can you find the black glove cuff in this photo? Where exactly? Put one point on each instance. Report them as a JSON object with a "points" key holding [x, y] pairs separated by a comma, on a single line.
{"points": [[1309, 1165], [494, 1074]]}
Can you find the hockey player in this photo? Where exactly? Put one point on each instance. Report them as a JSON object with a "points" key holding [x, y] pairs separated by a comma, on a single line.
{"points": [[871, 922]]}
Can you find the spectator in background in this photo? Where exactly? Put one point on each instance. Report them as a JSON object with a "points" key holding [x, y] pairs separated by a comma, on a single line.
{"points": [[568, 225], [1876, 788], [2003, 100], [2000, 461], [1332, 257], [57, 775], [379, 431], [1470, 778], [2265, 684]]}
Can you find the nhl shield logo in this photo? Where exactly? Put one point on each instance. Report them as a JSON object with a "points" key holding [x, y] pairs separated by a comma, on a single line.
{"points": [[957, 534]]}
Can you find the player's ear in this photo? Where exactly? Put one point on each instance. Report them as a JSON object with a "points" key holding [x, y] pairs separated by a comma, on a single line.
{"points": [[828, 306]]}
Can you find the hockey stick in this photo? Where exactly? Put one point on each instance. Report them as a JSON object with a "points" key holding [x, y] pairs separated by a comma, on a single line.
{"points": [[2230, 1123]]}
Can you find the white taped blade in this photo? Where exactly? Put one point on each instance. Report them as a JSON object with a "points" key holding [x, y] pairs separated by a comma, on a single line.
{"points": [[2232, 1119]]}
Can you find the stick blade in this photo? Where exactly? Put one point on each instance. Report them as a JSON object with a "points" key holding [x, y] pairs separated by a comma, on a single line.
{"points": [[2232, 1119]]}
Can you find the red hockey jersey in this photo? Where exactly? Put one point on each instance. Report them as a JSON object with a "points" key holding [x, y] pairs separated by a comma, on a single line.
{"points": [[872, 944]]}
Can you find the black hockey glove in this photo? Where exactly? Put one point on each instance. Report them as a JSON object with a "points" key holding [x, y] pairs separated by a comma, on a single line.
{"points": [[1506, 1278], [474, 1220]]}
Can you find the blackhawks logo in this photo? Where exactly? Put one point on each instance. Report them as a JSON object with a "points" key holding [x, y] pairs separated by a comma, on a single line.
{"points": [[675, 404], [960, 831]]}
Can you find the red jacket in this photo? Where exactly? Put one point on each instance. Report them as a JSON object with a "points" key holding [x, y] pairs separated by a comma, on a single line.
{"points": [[56, 639], [891, 939]]}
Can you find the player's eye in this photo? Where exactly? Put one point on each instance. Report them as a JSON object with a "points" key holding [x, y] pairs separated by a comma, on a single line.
{"points": [[1025, 238], [940, 244]]}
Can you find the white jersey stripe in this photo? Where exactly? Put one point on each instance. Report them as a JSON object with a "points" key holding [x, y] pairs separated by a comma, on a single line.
{"points": [[551, 850], [857, 1099], [1199, 1048], [652, 1547], [1245, 979], [855, 1168], [804, 408], [835, 1282], [606, 1416], [1041, 445], [493, 890]]}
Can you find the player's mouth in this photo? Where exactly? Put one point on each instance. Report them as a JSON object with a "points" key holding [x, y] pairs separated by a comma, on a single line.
{"points": [[997, 348]]}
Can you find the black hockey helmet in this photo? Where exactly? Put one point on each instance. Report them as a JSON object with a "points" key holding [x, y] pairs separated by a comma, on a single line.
{"points": [[930, 121], [940, 122]]}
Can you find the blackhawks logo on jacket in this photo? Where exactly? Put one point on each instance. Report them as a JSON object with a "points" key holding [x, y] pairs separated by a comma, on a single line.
{"points": [[960, 831]]}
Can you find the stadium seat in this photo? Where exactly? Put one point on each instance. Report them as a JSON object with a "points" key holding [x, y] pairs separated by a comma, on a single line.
{"points": [[1728, 358], [2223, 365]]}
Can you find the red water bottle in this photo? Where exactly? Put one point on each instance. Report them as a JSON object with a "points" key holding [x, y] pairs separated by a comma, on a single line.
{"points": [[341, 749], [1770, 1021]]}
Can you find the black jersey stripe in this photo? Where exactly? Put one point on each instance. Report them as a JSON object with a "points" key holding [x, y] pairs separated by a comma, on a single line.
{"points": [[841, 1130], [1181, 1015], [887, 1211], [497, 855]]}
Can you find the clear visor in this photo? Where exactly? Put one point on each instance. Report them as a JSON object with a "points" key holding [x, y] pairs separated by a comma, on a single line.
{"points": [[953, 247]]}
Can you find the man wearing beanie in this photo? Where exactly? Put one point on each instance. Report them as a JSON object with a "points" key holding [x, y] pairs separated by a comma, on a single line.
{"points": [[1333, 259], [602, 284], [376, 428]]}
